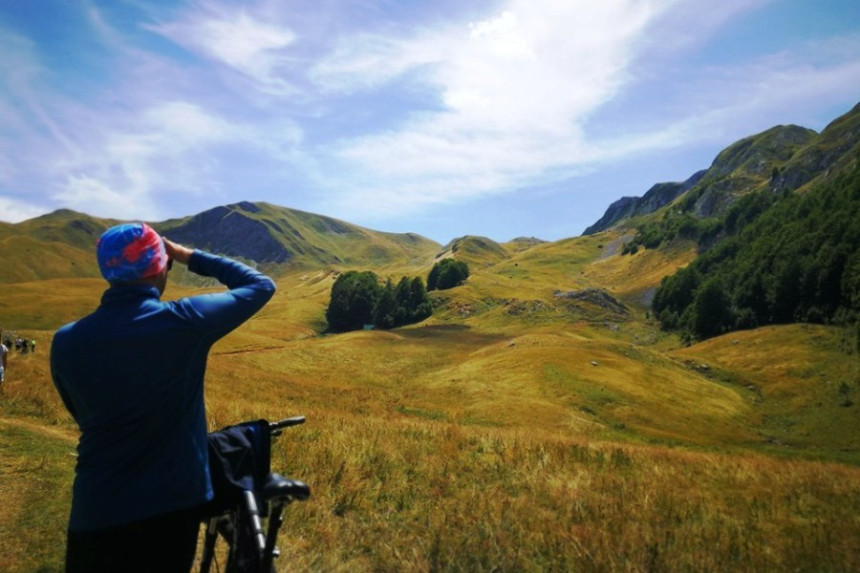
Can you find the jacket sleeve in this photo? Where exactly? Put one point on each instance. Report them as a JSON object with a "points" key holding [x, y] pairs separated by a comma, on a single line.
{"points": [[219, 313]]}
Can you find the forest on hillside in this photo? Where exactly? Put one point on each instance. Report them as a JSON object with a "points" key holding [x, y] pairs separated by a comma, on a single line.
{"points": [[775, 258]]}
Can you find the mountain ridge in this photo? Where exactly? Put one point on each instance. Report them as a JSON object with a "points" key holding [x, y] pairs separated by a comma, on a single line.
{"points": [[270, 236], [784, 158]]}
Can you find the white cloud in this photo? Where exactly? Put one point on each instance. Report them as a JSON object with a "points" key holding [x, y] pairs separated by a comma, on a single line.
{"points": [[237, 39], [95, 197], [22, 101], [685, 24], [515, 88], [723, 104]]}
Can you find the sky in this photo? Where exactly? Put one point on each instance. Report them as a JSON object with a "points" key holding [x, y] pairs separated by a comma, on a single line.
{"points": [[446, 118]]}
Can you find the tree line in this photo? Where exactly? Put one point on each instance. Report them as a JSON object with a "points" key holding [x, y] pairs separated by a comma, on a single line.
{"points": [[775, 258], [360, 299]]}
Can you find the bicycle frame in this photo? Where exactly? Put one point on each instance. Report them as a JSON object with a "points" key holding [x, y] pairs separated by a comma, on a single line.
{"points": [[248, 495]]}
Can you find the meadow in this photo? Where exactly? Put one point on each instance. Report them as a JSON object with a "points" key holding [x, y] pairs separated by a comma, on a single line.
{"points": [[513, 431]]}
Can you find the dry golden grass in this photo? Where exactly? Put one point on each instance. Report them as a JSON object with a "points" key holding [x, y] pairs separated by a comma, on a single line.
{"points": [[802, 383], [407, 495], [507, 433], [635, 276]]}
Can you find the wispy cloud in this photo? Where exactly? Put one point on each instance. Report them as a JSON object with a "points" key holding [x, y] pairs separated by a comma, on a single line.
{"points": [[172, 148], [722, 103], [234, 37]]}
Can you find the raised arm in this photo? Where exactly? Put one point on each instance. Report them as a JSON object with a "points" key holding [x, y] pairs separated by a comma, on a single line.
{"points": [[219, 313]]}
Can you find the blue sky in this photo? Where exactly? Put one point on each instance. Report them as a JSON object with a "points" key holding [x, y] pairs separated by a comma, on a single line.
{"points": [[501, 118]]}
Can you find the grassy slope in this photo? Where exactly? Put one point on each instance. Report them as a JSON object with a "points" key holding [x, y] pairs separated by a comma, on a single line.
{"points": [[26, 259], [510, 430]]}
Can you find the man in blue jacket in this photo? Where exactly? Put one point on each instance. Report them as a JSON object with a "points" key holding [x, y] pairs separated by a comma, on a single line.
{"points": [[131, 374]]}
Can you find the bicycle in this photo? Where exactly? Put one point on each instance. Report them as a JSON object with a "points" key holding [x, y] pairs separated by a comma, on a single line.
{"points": [[247, 492]]}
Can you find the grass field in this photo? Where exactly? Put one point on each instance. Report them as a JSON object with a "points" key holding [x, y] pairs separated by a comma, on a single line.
{"points": [[512, 431]]}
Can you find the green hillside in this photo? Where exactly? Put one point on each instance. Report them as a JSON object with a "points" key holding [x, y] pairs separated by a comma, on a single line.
{"points": [[277, 236], [789, 259]]}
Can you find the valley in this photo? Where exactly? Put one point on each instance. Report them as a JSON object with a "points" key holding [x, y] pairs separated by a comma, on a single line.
{"points": [[515, 429], [541, 419]]}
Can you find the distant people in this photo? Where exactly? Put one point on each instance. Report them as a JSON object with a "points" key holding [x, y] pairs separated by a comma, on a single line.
{"points": [[4, 351], [142, 474], [18, 343], [33, 345], [25, 345]]}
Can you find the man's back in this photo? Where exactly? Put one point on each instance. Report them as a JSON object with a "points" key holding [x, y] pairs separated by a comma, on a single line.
{"points": [[131, 374]]}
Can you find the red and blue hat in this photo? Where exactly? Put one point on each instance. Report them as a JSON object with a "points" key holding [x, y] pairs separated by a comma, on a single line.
{"points": [[129, 252]]}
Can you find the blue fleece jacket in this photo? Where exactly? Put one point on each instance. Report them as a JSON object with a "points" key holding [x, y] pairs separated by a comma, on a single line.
{"points": [[131, 374]]}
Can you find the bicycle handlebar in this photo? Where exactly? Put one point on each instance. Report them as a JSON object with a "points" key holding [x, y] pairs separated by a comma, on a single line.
{"points": [[275, 428]]}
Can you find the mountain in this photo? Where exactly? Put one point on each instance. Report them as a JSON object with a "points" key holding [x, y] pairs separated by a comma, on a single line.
{"points": [[62, 226], [61, 244], [783, 158], [833, 150], [544, 393], [658, 196], [269, 234]]}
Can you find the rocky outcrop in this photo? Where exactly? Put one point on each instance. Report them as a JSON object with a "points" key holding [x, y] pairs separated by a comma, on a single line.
{"points": [[595, 296], [227, 231]]}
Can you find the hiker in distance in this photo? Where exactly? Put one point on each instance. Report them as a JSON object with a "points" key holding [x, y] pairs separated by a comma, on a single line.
{"points": [[4, 353], [142, 473]]}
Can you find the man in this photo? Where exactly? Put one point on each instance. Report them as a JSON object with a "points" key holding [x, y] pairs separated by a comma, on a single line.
{"points": [[131, 374]]}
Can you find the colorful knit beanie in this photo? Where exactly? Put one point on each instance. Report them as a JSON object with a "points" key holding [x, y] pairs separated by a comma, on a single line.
{"points": [[129, 252]]}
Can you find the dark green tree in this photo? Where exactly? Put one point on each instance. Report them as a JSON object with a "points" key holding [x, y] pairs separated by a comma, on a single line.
{"points": [[353, 299], [383, 313], [419, 301], [446, 274], [712, 311], [357, 299]]}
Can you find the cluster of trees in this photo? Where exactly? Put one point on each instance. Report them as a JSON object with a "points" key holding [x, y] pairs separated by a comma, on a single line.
{"points": [[446, 274], [780, 259], [358, 299]]}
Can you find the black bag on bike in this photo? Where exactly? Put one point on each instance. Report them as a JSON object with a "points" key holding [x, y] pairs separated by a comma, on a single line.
{"points": [[245, 491], [239, 460]]}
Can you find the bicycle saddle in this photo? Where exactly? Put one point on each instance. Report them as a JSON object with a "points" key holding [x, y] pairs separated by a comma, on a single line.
{"points": [[277, 486]]}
